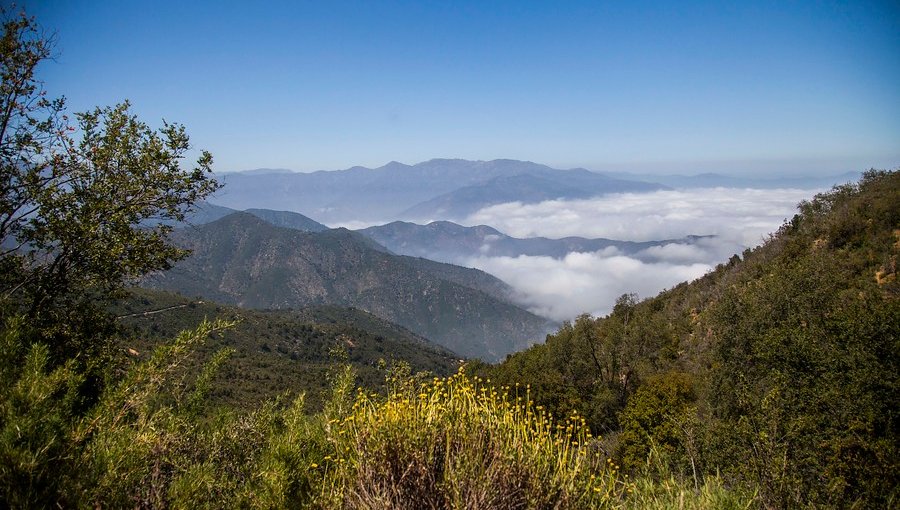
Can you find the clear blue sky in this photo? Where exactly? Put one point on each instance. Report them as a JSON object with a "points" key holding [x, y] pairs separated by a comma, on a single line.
{"points": [[789, 87]]}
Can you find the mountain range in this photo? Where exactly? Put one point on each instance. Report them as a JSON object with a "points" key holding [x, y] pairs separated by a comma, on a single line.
{"points": [[713, 180], [449, 242], [435, 189], [453, 189], [206, 212], [245, 261], [443, 241]]}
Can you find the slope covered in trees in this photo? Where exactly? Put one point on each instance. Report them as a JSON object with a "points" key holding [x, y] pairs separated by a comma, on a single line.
{"points": [[778, 369], [276, 351]]}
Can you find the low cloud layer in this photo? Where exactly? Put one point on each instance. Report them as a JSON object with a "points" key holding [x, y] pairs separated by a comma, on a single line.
{"points": [[590, 282], [744, 215], [561, 289]]}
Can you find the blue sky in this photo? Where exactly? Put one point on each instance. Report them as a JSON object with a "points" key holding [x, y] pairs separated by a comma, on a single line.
{"points": [[740, 87]]}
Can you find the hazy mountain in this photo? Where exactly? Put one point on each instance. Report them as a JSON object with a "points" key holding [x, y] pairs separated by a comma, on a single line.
{"points": [[713, 180], [526, 188], [288, 219], [388, 191], [206, 212], [202, 213], [243, 260], [449, 242]]}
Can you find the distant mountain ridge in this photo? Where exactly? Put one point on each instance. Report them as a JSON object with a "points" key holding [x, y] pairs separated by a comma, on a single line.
{"points": [[242, 260], [206, 212], [396, 190], [440, 244], [713, 180], [449, 242]]}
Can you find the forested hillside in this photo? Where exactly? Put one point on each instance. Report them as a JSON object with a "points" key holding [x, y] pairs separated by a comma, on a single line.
{"points": [[779, 369], [245, 261], [276, 352]]}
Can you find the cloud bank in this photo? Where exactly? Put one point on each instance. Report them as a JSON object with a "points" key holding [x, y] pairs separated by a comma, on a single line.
{"points": [[579, 283], [745, 215]]}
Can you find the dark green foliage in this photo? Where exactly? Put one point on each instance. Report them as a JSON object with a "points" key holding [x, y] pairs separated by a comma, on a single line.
{"points": [[70, 205], [278, 351], [789, 356], [594, 365], [656, 415], [38, 406], [807, 343]]}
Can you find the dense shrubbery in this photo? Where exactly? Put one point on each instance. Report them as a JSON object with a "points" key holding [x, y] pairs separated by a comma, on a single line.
{"points": [[452, 442]]}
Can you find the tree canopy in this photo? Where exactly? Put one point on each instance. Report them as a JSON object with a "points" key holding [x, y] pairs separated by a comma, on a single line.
{"points": [[84, 200]]}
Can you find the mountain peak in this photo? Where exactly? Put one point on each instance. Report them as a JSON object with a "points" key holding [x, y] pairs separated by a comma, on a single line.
{"points": [[241, 219], [394, 165]]}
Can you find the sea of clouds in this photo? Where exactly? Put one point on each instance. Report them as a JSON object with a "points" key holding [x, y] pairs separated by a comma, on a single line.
{"points": [[563, 288]]}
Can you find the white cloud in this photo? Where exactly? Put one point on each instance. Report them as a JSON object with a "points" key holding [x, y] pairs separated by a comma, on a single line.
{"points": [[742, 215], [709, 250], [561, 289], [590, 282]]}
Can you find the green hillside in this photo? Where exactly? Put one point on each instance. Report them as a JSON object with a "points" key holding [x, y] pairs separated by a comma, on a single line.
{"points": [[244, 261], [275, 351], [779, 369]]}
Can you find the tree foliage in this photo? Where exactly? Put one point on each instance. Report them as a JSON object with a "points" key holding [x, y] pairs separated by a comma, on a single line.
{"points": [[778, 369], [79, 198]]}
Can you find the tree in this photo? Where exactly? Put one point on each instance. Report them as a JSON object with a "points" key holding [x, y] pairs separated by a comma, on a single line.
{"points": [[84, 208]]}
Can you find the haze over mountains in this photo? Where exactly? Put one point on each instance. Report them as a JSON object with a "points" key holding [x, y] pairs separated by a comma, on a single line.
{"points": [[567, 241], [435, 189], [454, 189], [652, 237], [713, 180], [449, 242], [206, 212]]}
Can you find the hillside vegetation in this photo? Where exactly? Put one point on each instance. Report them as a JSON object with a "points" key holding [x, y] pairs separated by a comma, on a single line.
{"points": [[276, 352], [778, 370], [434, 443]]}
